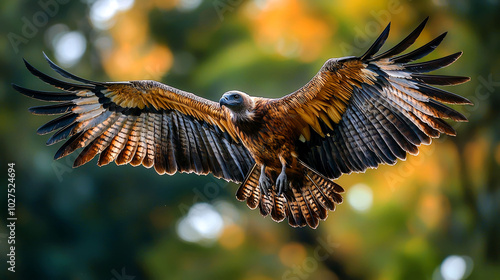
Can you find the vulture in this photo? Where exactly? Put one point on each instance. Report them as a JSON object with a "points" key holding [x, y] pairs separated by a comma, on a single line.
{"points": [[357, 112]]}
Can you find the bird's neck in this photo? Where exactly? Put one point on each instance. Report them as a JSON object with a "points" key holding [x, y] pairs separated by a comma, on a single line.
{"points": [[242, 116], [247, 122]]}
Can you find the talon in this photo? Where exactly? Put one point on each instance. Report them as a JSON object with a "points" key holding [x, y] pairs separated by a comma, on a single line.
{"points": [[264, 181], [281, 183]]}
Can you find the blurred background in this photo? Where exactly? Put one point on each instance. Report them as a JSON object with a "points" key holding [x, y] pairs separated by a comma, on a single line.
{"points": [[435, 216]]}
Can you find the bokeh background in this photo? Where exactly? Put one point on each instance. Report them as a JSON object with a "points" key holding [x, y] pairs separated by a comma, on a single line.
{"points": [[435, 216]]}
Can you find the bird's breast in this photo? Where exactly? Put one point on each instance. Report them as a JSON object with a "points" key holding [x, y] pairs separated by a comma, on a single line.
{"points": [[266, 141]]}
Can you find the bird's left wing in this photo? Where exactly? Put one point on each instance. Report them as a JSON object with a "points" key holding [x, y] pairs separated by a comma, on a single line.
{"points": [[359, 112], [140, 122]]}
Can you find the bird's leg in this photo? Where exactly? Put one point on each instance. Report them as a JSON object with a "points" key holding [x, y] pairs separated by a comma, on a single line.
{"points": [[264, 181], [282, 181]]}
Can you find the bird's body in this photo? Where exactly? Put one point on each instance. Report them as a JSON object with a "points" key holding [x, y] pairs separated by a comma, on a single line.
{"points": [[356, 113], [268, 138]]}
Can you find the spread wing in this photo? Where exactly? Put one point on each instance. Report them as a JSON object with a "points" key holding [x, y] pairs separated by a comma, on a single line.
{"points": [[359, 112], [140, 122]]}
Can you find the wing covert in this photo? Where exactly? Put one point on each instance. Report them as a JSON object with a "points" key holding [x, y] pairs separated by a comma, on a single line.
{"points": [[140, 122]]}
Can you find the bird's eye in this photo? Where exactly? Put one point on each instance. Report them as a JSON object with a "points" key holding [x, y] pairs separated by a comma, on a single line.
{"points": [[237, 97]]}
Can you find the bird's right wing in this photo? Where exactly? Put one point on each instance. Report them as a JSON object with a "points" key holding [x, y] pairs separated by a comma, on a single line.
{"points": [[140, 122]]}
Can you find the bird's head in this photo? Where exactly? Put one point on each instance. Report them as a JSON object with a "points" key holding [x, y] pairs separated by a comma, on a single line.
{"points": [[236, 101]]}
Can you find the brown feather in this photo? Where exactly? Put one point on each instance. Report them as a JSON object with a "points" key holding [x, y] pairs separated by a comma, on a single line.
{"points": [[278, 213], [319, 209], [309, 217], [149, 156], [266, 204], [254, 198], [250, 182], [142, 147], [126, 155]]}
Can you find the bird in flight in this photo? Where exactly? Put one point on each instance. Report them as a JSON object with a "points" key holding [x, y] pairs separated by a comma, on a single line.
{"points": [[354, 114]]}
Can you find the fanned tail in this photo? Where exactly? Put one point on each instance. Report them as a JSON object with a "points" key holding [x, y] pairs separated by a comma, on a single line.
{"points": [[272, 204], [306, 202], [312, 198]]}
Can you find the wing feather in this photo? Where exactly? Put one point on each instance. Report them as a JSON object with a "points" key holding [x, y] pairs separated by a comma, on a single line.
{"points": [[405, 43], [420, 52], [428, 66], [107, 139], [142, 147], [118, 143], [140, 122], [126, 155], [149, 156], [372, 109], [160, 164]]}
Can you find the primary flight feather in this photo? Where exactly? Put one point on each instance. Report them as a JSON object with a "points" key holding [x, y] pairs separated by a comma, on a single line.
{"points": [[354, 114]]}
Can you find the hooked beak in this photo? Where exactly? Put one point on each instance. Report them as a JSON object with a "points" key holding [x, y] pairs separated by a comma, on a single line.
{"points": [[224, 101]]}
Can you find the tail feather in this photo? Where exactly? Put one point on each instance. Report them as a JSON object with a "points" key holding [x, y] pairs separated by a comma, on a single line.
{"points": [[295, 217], [329, 188], [304, 203], [254, 199], [320, 196], [318, 209], [278, 212], [309, 216], [266, 204], [248, 185]]}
